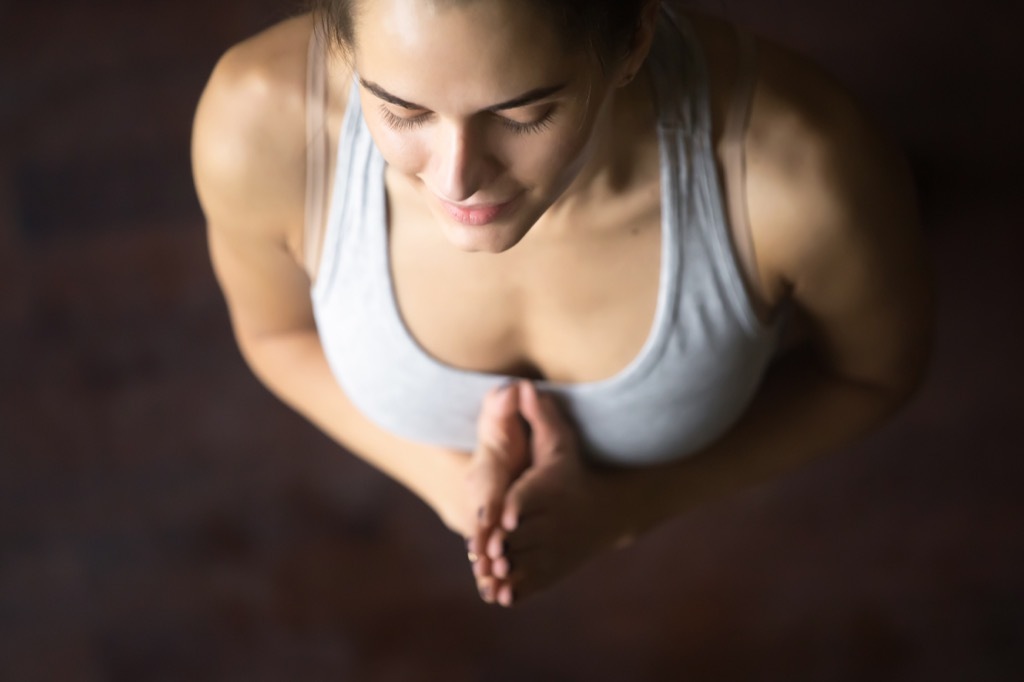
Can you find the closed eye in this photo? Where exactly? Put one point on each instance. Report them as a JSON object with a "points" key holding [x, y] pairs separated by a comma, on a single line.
{"points": [[530, 127], [400, 123], [396, 122]]}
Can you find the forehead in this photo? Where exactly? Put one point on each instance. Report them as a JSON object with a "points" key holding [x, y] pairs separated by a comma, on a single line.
{"points": [[401, 13], [413, 47]]}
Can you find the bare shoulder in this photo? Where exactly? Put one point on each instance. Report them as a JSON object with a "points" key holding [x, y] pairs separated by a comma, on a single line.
{"points": [[833, 215], [821, 173], [249, 166], [249, 138], [815, 161]]}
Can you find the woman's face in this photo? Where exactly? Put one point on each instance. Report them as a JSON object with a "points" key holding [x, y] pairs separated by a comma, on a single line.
{"points": [[480, 106]]}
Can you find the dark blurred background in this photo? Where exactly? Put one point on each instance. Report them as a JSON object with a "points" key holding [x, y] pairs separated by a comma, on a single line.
{"points": [[162, 517]]}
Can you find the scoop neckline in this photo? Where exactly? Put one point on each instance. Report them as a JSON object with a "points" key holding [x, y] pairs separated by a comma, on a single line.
{"points": [[667, 283]]}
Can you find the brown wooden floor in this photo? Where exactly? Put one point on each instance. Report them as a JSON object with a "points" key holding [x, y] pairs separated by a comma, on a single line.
{"points": [[163, 518]]}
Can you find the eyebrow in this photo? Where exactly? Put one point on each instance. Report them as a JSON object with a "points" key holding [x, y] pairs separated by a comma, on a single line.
{"points": [[522, 100]]}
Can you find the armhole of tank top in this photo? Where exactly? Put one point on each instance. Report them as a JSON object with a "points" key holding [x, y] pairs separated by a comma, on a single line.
{"points": [[737, 121], [316, 155]]}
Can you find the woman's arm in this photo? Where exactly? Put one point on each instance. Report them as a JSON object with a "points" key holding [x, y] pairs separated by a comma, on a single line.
{"points": [[561, 512], [248, 163], [834, 222], [834, 219]]}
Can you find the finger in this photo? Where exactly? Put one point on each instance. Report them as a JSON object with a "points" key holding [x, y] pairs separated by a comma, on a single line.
{"points": [[513, 548], [530, 534], [505, 595], [549, 428], [500, 455], [479, 564], [488, 589], [502, 567], [488, 479], [529, 530], [486, 494], [511, 512], [528, 574], [499, 417], [483, 567], [495, 548], [473, 546], [523, 500], [531, 404], [505, 549], [488, 515]]}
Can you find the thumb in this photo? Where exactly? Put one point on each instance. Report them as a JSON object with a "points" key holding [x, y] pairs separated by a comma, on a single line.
{"points": [[498, 424], [500, 455], [550, 431]]}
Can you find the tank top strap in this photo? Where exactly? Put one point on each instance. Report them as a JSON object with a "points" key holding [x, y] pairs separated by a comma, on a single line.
{"points": [[737, 121], [316, 153], [711, 253], [677, 76]]}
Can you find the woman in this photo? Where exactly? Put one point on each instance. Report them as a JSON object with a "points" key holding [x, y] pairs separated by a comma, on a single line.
{"points": [[564, 269]]}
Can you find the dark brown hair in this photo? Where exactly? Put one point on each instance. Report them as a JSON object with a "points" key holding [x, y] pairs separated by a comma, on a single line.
{"points": [[605, 28]]}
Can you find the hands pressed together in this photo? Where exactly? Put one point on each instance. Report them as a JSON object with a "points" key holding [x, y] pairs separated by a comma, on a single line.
{"points": [[540, 511]]}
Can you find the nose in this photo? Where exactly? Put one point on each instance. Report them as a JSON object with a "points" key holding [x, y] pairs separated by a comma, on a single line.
{"points": [[460, 163]]}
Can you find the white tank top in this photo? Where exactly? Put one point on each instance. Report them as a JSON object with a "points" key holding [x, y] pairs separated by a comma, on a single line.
{"points": [[705, 354]]}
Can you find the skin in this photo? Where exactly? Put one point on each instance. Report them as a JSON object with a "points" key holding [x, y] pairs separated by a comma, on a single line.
{"points": [[831, 219], [449, 146]]}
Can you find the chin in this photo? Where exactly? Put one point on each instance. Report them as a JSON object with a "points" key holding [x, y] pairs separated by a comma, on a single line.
{"points": [[493, 238]]}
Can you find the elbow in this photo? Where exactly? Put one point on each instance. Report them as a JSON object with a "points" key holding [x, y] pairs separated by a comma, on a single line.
{"points": [[273, 358]]}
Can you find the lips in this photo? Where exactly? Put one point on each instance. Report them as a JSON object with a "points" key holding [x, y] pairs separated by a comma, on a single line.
{"points": [[477, 214]]}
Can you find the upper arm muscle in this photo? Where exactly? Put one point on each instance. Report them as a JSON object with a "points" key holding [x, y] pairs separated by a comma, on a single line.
{"points": [[834, 218], [248, 165]]}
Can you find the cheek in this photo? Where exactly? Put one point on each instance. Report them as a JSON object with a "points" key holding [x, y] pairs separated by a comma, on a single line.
{"points": [[549, 161]]}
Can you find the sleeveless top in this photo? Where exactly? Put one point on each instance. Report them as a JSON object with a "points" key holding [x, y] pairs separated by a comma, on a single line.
{"points": [[704, 356]]}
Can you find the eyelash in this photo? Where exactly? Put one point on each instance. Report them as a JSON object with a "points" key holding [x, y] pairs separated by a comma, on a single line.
{"points": [[399, 123]]}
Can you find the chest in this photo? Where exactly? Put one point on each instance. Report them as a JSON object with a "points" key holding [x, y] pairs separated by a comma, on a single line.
{"points": [[569, 309]]}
